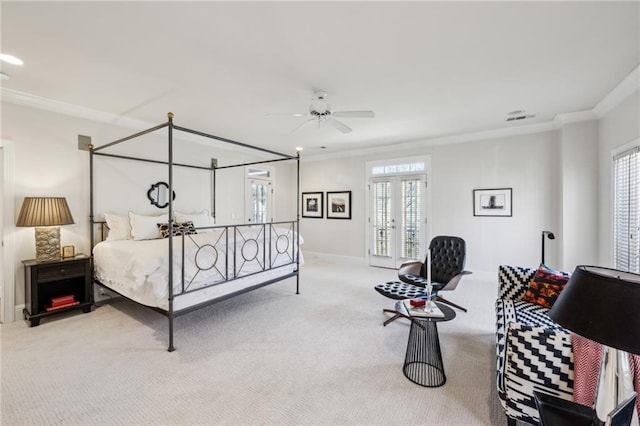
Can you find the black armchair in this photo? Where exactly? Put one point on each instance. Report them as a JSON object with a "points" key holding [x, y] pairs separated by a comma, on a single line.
{"points": [[448, 256]]}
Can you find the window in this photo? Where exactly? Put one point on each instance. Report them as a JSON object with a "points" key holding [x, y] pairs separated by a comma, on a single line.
{"points": [[626, 251]]}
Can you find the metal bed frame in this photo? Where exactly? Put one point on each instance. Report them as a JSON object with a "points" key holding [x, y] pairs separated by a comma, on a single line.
{"points": [[293, 226]]}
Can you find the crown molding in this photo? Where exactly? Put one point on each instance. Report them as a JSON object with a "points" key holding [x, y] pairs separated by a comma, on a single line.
{"points": [[39, 102], [574, 117], [629, 85], [444, 140]]}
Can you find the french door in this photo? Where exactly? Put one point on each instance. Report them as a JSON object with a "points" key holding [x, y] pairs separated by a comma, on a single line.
{"points": [[259, 201], [259, 195], [397, 216]]}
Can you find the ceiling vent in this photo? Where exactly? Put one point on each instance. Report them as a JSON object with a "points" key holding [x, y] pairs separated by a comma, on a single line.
{"points": [[519, 115]]}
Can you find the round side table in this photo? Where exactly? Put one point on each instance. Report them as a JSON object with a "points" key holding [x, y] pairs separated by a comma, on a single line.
{"points": [[423, 360]]}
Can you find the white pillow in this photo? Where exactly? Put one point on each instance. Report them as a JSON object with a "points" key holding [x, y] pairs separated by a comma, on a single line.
{"points": [[119, 227], [199, 219], [146, 227]]}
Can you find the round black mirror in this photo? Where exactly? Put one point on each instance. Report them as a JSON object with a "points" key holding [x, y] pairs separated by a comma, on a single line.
{"points": [[158, 194]]}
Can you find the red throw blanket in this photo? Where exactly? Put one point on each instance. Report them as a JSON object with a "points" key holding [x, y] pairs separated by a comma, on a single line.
{"points": [[587, 356]]}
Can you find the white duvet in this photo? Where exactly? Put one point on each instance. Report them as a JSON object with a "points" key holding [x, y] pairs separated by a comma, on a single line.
{"points": [[139, 270]]}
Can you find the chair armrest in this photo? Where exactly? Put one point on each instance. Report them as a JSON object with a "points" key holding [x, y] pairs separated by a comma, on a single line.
{"points": [[453, 282], [412, 268], [535, 358], [513, 281]]}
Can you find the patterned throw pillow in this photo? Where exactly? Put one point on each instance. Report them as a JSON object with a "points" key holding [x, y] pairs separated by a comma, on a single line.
{"points": [[163, 229], [546, 286]]}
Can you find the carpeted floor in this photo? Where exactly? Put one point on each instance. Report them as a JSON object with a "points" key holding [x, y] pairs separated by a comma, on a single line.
{"points": [[266, 357]]}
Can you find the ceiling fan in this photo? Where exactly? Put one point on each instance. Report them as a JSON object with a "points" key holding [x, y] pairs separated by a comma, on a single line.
{"points": [[321, 111]]}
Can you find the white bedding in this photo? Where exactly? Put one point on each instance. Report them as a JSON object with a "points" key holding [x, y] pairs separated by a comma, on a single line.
{"points": [[139, 269]]}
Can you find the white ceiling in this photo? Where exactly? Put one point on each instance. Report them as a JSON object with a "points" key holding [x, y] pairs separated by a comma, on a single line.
{"points": [[427, 69]]}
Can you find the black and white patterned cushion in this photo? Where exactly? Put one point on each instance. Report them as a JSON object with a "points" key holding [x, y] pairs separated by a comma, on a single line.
{"points": [[513, 281], [400, 290], [178, 229]]}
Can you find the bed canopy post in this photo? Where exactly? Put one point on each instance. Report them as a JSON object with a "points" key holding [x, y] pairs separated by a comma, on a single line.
{"points": [[214, 166], [91, 225], [170, 178], [298, 221]]}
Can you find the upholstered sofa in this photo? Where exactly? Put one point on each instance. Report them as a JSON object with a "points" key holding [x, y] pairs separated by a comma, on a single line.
{"points": [[533, 352]]}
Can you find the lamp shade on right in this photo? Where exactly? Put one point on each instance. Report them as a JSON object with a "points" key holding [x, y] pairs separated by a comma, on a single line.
{"points": [[603, 305]]}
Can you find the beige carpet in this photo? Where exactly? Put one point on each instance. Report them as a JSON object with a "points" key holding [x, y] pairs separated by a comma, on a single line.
{"points": [[266, 357]]}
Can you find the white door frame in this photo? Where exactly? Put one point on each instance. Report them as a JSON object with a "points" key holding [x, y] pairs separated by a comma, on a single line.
{"points": [[426, 159], [8, 306]]}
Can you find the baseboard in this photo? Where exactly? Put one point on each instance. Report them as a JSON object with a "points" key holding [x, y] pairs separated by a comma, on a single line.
{"points": [[18, 312], [335, 258]]}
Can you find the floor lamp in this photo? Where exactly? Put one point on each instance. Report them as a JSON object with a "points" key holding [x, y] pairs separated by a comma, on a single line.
{"points": [[551, 237], [602, 304]]}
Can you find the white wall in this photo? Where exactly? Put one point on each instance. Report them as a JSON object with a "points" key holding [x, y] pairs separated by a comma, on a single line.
{"points": [[619, 127], [48, 163], [336, 236], [528, 164], [579, 194]]}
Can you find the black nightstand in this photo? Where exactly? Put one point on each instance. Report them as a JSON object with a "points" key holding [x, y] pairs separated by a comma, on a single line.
{"points": [[56, 286]]}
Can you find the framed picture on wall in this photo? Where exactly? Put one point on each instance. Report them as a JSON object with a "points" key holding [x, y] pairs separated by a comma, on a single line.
{"points": [[492, 202], [339, 205], [312, 205]]}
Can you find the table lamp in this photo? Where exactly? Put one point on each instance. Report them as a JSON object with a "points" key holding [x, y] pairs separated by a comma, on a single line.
{"points": [[46, 214], [603, 305]]}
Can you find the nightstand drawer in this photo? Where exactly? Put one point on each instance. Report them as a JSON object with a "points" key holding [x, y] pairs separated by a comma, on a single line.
{"points": [[61, 271]]}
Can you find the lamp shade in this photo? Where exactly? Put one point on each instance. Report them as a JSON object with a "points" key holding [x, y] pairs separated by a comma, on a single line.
{"points": [[44, 211], [603, 305]]}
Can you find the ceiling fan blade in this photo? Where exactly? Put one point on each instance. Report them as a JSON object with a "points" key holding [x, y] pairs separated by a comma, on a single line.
{"points": [[338, 125], [354, 114], [289, 114], [302, 124]]}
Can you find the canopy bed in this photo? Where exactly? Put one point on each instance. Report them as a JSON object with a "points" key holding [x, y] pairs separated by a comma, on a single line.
{"points": [[209, 262]]}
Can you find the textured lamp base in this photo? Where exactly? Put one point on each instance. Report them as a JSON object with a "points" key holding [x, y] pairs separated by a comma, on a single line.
{"points": [[48, 244]]}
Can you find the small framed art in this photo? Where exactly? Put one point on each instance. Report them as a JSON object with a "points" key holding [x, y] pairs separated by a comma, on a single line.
{"points": [[339, 205], [492, 202], [68, 251], [312, 204]]}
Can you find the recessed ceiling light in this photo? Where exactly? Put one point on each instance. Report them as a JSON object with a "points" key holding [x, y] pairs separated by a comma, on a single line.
{"points": [[10, 59], [4, 76]]}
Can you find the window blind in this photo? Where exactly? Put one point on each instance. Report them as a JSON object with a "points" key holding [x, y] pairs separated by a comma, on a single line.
{"points": [[381, 217], [626, 252], [410, 218]]}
